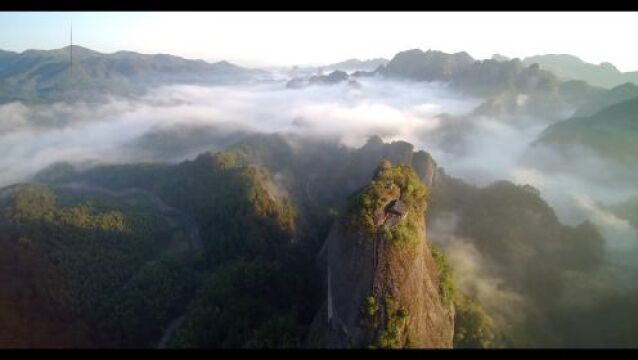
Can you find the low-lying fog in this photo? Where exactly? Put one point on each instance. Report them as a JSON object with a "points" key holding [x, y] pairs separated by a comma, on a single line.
{"points": [[32, 137], [177, 122]]}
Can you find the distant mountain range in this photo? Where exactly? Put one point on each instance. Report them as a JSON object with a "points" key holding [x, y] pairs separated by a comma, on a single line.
{"points": [[509, 86], [48, 74], [543, 85], [571, 67], [350, 66], [620, 93]]}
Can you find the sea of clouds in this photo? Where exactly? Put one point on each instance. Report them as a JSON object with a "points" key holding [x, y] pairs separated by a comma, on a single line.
{"points": [[478, 149]]}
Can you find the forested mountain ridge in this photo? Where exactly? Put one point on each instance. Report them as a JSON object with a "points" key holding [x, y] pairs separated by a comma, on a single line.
{"points": [[36, 75], [569, 66], [85, 257], [508, 86], [610, 133], [512, 236]]}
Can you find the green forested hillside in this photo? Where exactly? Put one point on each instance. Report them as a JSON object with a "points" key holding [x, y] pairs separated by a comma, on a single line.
{"points": [[611, 133], [80, 254], [547, 272]]}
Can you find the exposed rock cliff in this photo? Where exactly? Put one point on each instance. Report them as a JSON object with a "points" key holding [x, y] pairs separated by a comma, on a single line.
{"points": [[382, 283], [397, 152]]}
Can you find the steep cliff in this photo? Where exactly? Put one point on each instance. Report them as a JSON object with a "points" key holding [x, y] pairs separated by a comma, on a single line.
{"points": [[382, 283]]}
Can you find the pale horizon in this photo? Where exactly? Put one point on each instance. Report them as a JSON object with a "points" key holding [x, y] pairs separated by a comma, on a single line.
{"points": [[275, 39]]}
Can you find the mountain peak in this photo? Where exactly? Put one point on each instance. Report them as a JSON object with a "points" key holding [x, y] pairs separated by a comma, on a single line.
{"points": [[429, 65], [500, 58], [80, 49], [79, 52], [609, 66], [224, 63]]}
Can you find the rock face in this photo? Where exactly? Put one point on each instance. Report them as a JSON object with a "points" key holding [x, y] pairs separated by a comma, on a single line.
{"points": [[425, 167], [430, 66], [382, 284], [398, 152], [334, 77]]}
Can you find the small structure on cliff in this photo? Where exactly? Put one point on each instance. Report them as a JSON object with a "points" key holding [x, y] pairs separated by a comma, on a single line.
{"points": [[392, 213], [397, 207]]}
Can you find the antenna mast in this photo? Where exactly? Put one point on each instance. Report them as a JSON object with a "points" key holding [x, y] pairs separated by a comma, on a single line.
{"points": [[71, 49]]}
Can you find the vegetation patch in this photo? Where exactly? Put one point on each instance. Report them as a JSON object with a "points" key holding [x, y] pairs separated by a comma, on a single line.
{"points": [[390, 183], [384, 322], [446, 283], [91, 253], [473, 327]]}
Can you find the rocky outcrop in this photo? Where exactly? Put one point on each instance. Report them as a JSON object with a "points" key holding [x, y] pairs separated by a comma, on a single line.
{"points": [[334, 77], [509, 86], [397, 152], [429, 66], [425, 167], [382, 284], [479, 77]]}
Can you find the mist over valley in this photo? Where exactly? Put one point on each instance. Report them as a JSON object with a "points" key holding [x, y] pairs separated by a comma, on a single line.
{"points": [[426, 200]]}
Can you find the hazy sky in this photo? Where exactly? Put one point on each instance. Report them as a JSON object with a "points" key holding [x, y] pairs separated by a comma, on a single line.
{"points": [[289, 38]]}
